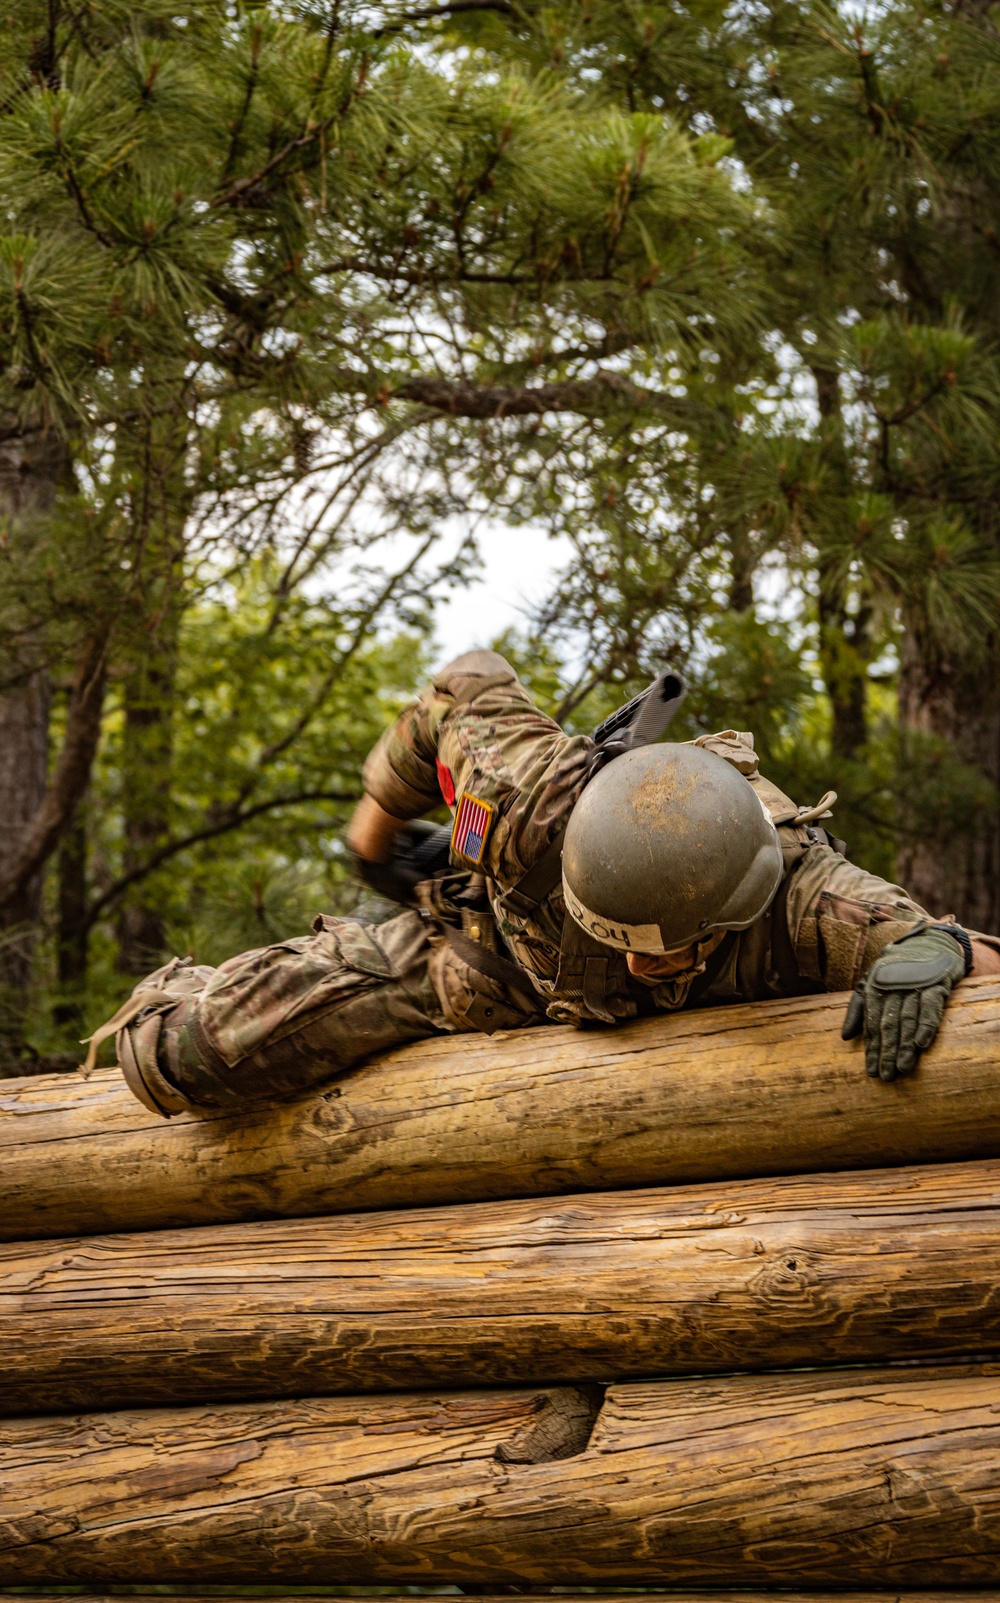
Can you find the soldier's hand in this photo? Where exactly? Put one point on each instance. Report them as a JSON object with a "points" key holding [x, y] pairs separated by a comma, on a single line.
{"points": [[420, 851], [900, 1002]]}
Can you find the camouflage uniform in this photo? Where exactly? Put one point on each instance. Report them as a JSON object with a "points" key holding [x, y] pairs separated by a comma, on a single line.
{"points": [[277, 1020]]}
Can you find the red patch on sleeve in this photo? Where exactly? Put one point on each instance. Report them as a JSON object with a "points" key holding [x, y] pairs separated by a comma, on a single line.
{"points": [[446, 783]]}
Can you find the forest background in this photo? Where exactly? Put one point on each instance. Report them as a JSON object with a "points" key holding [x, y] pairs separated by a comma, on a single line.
{"points": [[303, 303]]}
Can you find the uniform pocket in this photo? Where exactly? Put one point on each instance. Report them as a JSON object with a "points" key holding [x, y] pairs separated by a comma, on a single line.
{"points": [[264, 995], [358, 945], [840, 942]]}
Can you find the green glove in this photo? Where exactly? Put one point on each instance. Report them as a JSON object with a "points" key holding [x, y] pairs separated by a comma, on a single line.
{"points": [[901, 1000]]}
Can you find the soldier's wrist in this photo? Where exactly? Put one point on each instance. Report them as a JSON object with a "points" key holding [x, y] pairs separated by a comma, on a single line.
{"points": [[960, 935], [372, 832]]}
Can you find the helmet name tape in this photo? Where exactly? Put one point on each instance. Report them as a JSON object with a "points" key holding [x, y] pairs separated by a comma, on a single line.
{"points": [[626, 937]]}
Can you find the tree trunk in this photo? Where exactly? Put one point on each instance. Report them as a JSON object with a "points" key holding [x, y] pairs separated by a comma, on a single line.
{"points": [[161, 503], [33, 468], [24, 731], [146, 762], [718, 1093], [844, 656], [73, 932], [773, 1274], [863, 1478], [844, 636], [951, 863], [742, 567]]}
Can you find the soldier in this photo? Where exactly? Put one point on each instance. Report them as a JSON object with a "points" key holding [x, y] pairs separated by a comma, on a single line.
{"points": [[588, 880]]}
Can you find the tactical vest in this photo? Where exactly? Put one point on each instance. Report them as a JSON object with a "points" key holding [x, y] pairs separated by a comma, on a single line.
{"points": [[595, 978]]}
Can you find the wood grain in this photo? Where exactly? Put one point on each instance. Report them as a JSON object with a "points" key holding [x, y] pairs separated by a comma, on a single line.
{"points": [[816, 1270], [863, 1479], [713, 1094], [672, 1596]]}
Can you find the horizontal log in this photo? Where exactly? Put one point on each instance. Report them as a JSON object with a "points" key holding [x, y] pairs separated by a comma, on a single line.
{"points": [[672, 1596], [825, 1269], [862, 1479], [713, 1094]]}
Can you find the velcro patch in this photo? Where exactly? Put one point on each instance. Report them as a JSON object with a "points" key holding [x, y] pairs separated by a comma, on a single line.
{"points": [[473, 822]]}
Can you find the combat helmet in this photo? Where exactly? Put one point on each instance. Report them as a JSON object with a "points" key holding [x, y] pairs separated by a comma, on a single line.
{"points": [[666, 845]]}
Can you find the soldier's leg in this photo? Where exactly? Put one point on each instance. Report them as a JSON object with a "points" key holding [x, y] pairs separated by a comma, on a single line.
{"points": [[276, 1021]]}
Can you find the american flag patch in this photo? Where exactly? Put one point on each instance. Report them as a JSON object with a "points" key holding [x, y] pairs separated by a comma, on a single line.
{"points": [[472, 828]]}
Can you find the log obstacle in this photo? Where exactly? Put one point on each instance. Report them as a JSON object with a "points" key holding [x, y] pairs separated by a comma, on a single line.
{"points": [[719, 1093], [864, 1479], [229, 1390], [814, 1270]]}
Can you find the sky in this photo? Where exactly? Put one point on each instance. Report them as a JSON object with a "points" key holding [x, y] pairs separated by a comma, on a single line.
{"points": [[517, 570]]}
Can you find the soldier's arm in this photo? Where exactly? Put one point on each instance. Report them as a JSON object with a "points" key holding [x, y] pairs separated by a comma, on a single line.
{"points": [[372, 831], [852, 930], [841, 919], [475, 733]]}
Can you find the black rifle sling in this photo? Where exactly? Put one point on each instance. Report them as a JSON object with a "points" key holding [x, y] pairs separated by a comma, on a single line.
{"points": [[542, 877], [501, 969], [713, 968], [588, 971]]}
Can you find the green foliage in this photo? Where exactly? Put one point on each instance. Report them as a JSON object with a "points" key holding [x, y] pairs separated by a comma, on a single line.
{"points": [[270, 731], [753, 678], [302, 288]]}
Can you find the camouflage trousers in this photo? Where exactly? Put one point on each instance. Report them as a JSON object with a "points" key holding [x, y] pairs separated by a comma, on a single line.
{"points": [[278, 1020]]}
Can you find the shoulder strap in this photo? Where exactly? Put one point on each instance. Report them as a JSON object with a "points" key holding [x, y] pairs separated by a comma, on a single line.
{"points": [[713, 968], [541, 879], [783, 958]]}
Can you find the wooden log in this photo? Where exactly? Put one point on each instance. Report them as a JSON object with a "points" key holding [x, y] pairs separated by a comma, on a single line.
{"points": [[713, 1094], [861, 1479], [562, 1597], [779, 1273]]}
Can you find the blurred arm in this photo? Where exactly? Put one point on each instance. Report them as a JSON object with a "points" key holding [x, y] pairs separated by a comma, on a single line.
{"points": [[372, 831]]}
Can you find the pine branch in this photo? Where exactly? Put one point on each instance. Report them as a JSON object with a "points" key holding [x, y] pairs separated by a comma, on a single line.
{"points": [[579, 692], [336, 670], [239, 124], [610, 345], [232, 819], [311, 134], [422, 279], [433, 13], [459, 398]]}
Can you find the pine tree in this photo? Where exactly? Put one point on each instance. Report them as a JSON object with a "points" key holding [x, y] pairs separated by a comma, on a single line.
{"points": [[871, 140], [246, 246]]}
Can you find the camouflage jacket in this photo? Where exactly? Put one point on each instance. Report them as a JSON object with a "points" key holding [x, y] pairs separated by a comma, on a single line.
{"points": [[511, 777]]}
